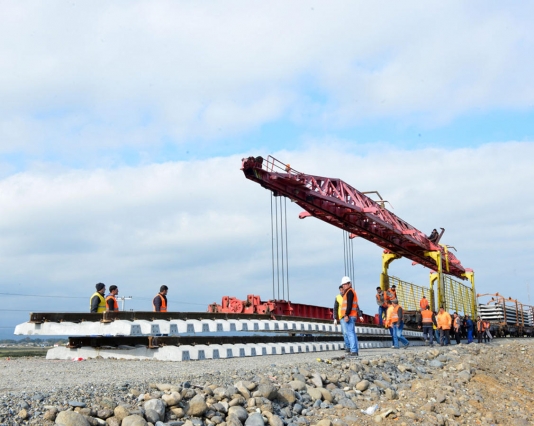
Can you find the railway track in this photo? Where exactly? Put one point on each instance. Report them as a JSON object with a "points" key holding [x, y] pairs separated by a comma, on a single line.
{"points": [[184, 336]]}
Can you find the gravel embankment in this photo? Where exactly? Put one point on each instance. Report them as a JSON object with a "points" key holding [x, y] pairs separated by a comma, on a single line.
{"points": [[455, 385]]}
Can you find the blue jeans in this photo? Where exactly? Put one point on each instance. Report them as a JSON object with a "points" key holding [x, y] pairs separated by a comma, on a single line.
{"points": [[343, 330], [381, 311], [397, 335], [469, 336], [350, 332]]}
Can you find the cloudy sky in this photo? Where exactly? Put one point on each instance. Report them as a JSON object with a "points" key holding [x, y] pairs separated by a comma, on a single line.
{"points": [[123, 125]]}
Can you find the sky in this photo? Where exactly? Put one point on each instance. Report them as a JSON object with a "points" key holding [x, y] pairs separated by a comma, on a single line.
{"points": [[123, 125]]}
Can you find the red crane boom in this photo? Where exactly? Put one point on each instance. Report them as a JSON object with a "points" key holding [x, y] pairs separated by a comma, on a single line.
{"points": [[341, 205]]}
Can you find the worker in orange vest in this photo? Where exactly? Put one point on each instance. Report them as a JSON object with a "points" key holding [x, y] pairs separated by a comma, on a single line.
{"points": [[382, 305], [423, 303], [159, 304], [391, 294], [444, 326], [428, 320], [395, 321], [111, 301], [350, 311], [338, 304]]}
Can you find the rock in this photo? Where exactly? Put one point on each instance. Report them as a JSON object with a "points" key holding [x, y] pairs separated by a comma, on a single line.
{"points": [[286, 395], [71, 418], [324, 422], [104, 414], [233, 421], [50, 415], [317, 380], [266, 391], [178, 412], [197, 406], [315, 393], [464, 376], [440, 398], [152, 416], [436, 363], [238, 412], [381, 384], [113, 421], [163, 386], [255, 419], [363, 385], [390, 394], [108, 403], [453, 411], [171, 399], [121, 412], [297, 385], [134, 420], [23, 414], [347, 403], [156, 405], [275, 420], [327, 396]]}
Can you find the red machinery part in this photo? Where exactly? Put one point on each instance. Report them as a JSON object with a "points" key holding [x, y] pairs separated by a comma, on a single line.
{"points": [[254, 305], [339, 204]]}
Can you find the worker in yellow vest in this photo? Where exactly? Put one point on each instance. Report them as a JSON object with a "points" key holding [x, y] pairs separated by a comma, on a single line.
{"points": [[97, 302]]}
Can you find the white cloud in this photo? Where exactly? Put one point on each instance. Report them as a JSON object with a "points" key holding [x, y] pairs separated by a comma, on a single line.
{"points": [[203, 229], [88, 75]]}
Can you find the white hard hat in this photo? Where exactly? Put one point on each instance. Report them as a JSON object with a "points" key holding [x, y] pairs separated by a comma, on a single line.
{"points": [[345, 280]]}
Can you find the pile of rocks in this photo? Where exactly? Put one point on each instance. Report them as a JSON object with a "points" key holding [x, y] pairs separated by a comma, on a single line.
{"points": [[465, 384]]}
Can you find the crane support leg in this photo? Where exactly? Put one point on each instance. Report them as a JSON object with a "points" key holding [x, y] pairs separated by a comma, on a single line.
{"points": [[387, 258], [470, 275], [438, 276]]}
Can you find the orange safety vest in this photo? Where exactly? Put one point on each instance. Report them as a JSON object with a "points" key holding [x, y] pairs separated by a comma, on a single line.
{"points": [[480, 325], [391, 295], [393, 315], [423, 304], [354, 310], [163, 304], [444, 321], [381, 299], [427, 317], [115, 304], [457, 323]]}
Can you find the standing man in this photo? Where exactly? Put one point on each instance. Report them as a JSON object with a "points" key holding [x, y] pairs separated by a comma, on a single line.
{"points": [[396, 323], [469, 325], [349, 310], [456, 322], [487, 333], [480, 329], [444, 327], [338, 318], [111, 301], [391, 294], [423, 303], [382, 305], [428, 320], [98, 302], [160, 301]]}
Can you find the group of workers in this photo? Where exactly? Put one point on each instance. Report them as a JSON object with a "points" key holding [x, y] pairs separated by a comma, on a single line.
{"points": [[98, 303], [390, 314]]}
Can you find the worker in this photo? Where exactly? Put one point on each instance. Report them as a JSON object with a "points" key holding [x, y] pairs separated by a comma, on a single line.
{"points": [[349, 312], [337, 317], [395, 321], [487, 334], [428, 321], [470, 327], [391, 293], [435, 327], [434, 236], [160, 301], [97, 301], [444, 326], [423, 303], [382, 305], [480, 329], [111, 301], [456, 323]]}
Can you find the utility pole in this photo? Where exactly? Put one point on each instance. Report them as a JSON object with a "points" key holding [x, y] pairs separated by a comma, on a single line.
{"points": [[123, 300]]}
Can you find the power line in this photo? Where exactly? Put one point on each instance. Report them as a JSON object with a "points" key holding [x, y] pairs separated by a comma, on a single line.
{"points": [[80, 297]]}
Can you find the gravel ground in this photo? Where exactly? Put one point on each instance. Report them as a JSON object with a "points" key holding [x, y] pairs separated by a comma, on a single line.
{"points": [[465, 384]]}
